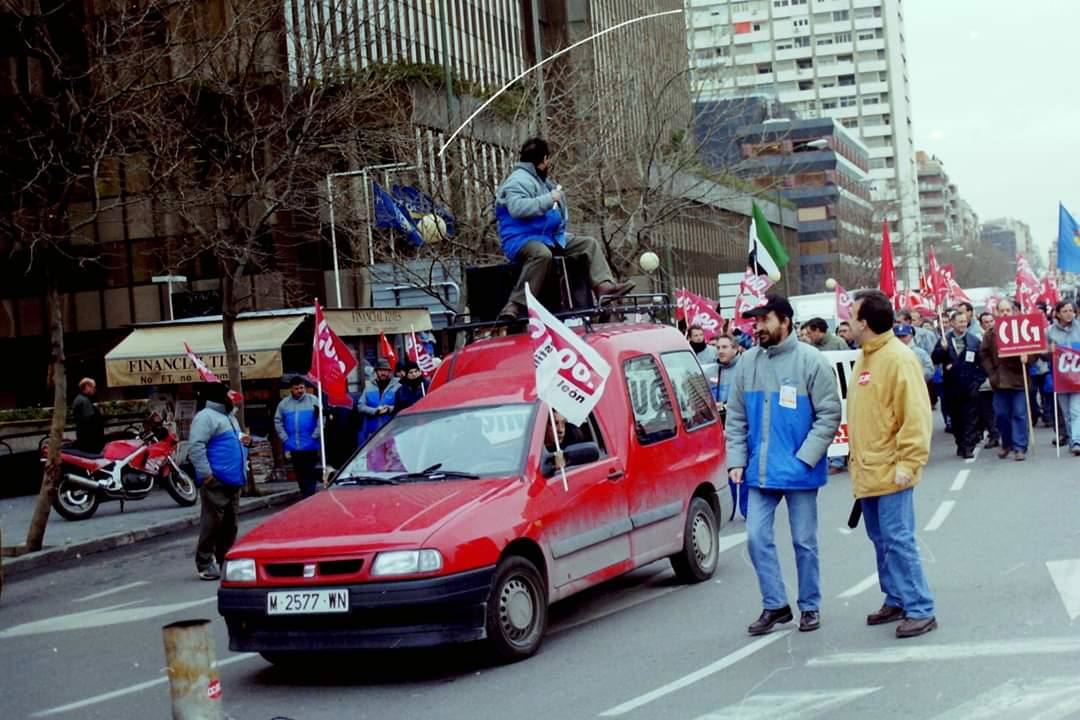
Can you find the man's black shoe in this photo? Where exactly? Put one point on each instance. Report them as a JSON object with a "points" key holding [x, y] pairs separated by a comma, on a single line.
{"points": [[913, 627], [967, 454], [769, 619], [886, 614], [991, 444], [810, 620]]}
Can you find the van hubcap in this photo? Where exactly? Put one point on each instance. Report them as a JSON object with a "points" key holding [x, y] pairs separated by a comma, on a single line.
{"points": [[516, 609], [703, 538]]}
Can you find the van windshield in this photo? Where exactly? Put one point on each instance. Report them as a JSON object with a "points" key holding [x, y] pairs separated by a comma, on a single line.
{"points": [[483, 441]]}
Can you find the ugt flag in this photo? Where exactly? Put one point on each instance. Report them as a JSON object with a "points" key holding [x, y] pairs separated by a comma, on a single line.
{"points": [[700, 311], [389, 214], [1068, 241], [570, 375], [205, 373], [1027, 285], [331, 362]]}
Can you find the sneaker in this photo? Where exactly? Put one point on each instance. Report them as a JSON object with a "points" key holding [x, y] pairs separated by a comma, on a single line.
{"points": [[769, 619], [210, 572], [809, 621], [1019, 456]]}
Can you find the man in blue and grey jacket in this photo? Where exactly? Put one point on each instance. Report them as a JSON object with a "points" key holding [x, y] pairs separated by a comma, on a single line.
{"points": [[220, 457], [783, 412], [531, 212], [296, 422]]}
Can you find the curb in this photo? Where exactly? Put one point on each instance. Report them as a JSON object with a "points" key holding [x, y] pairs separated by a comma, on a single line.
{"points": [[25, 563]]}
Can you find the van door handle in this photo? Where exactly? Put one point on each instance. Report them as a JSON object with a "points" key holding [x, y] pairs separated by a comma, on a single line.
{"points": [[615, 474]]}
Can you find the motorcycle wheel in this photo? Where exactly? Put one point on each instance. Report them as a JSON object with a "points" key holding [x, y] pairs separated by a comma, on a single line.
{"points": [[181, 486], [74, 503]]}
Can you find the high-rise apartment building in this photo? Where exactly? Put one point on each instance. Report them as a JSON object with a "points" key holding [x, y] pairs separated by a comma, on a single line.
{"points": [[1008, 235], [842, 59]]}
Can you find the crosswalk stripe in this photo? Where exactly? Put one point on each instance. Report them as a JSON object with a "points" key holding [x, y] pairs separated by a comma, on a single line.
{"points": [[859, 588], [788, 706], [957, 651], [1055, 698]]}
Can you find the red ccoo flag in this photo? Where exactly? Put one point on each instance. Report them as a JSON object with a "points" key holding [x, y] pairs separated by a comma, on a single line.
{"points": [[386, 350], [887, 277], [331, 362]]}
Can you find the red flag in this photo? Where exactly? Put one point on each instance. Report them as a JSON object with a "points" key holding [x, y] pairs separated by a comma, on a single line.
{"points": [[916, 301], [416, 352], [752, 291], [699, 311], [1049, 294], [331, 361], [844, 303], [205, 373], [386, 350], [953, 291], [1027, 285], [887, 276], [1066, 369], [939, 289]]}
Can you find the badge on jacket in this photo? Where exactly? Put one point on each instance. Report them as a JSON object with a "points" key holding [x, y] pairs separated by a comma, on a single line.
{"points": [[864, 377], [969, 356], [789, 397]]}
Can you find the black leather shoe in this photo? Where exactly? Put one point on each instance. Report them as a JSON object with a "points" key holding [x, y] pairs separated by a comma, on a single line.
{"points": [[886, 614], [769, 619], [913, 627], [967, 454], [512, 311], [991, 444], [810, 621]]}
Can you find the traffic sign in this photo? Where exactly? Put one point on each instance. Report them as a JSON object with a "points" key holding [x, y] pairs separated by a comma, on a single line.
{"points": [[1021, 334]]}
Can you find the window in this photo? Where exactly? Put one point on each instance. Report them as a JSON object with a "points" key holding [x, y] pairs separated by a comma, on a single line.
{"points": [[802, 42], [783, 45], [828, 104], [723, 51], [805, 63], [696, 405], [850, 122], [800, 22], [764, 68], [806, 84], [654, 419], [846, 80], [844, 37], [825, 40], [866, 35], [841, 15], [847, 101], [845, 58]]}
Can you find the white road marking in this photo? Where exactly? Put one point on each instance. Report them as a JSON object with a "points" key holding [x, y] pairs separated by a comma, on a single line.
{"points": [[961, 478], [940, 514], [845, 530], [687, 680], [1055, 698], [969, 461], [104, 697], [957, 651], [113, 591], [727, 542], [859, 588], [1066, 576], [112, 615], [788, 706]]}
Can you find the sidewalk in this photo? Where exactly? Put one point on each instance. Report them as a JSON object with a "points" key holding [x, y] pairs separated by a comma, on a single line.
{"points": [[141, 520]]}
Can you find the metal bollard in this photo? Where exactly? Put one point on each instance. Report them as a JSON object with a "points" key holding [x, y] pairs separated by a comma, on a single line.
{"points": [[194, 685]]}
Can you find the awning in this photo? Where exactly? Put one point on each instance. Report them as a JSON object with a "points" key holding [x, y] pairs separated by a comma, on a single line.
{"points": [[155, 355]]}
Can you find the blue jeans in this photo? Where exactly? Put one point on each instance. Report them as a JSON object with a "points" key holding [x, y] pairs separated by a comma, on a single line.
{"points": [[1070, 413], [890, 524], [802, 514], [1010, 410]]}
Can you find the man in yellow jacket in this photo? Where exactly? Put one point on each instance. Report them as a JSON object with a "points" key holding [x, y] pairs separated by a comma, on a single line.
{"points": [[889, 427]]}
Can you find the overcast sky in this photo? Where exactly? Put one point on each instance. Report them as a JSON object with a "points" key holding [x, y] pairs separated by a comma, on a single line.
{"points": [[995, 93]]}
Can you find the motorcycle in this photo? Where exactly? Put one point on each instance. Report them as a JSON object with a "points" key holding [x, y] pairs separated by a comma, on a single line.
{"points": [[124, 470]]}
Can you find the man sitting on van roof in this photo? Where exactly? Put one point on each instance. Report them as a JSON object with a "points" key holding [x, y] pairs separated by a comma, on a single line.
{"points": [[820, 337]]}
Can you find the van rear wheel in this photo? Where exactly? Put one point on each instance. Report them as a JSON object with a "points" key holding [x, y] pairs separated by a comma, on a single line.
{"points": [[700, 555]]}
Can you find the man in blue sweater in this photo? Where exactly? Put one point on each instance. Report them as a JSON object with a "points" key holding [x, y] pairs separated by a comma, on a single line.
{"points": [[296, 422], [531, 212], [220, 457]]}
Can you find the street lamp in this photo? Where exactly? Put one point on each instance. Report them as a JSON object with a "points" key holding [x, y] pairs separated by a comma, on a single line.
{"points": [[386, 168], [169, 280]]}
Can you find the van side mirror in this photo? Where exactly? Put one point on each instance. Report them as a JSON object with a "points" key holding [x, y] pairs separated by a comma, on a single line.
{"points": [[576, 454]]}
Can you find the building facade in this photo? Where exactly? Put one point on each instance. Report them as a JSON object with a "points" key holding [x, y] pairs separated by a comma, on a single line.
{"points": [[839, 59], [1009, 235]]}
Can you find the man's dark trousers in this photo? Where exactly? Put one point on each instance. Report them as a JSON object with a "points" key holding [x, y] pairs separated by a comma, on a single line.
{"points": [[217, 523], [306, 466], [987, 417], [964, 411]]}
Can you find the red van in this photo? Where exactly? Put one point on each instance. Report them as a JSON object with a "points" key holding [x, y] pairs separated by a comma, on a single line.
{"points": [[452, 523]]}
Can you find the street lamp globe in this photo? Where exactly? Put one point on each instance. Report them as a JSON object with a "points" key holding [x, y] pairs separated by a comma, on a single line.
{"points": [[649, 261], [830, 284]]}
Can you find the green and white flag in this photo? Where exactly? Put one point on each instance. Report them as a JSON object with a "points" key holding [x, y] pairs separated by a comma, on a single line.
{"points": [[767, 255]]}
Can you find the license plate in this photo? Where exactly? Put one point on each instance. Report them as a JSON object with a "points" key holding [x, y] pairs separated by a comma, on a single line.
{"points": [[307, 602]]}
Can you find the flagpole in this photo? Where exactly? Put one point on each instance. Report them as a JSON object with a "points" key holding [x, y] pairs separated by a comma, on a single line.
{"points": [[1057, 427], [560, 460], [1027, 406], [322, 401], [416, 354]]}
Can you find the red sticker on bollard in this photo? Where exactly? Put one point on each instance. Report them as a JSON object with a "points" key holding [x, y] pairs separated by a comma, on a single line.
{"points": [[213, 690]]}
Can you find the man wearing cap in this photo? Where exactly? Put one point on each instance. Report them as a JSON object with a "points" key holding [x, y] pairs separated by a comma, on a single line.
{"points": [[376, 403], [906, 333], [296, 422], [220, 459], [413, 386], [889, 423], [782, 414]]}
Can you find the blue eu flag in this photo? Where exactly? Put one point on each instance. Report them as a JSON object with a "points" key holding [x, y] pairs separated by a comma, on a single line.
{"points": [[419, 204], [389, 214], [1068, 242]]}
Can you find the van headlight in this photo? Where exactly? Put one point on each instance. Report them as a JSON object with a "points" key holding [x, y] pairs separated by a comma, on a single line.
{"points": [[407, 562], [240, 570]]}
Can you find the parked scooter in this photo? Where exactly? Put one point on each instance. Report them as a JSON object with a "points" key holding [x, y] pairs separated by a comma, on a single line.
{"points": [[124, 470]]}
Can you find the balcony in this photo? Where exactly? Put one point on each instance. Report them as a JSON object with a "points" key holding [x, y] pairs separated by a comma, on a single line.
{"points": [[873, 87], [875, 44], [871, 23], [872, 66]]}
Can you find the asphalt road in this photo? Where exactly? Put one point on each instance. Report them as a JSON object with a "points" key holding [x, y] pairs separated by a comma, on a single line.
{"points": [[1000, 539]]}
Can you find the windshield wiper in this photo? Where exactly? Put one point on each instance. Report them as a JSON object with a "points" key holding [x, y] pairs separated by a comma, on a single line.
{"points": [[436, 473], [365, 480]]}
